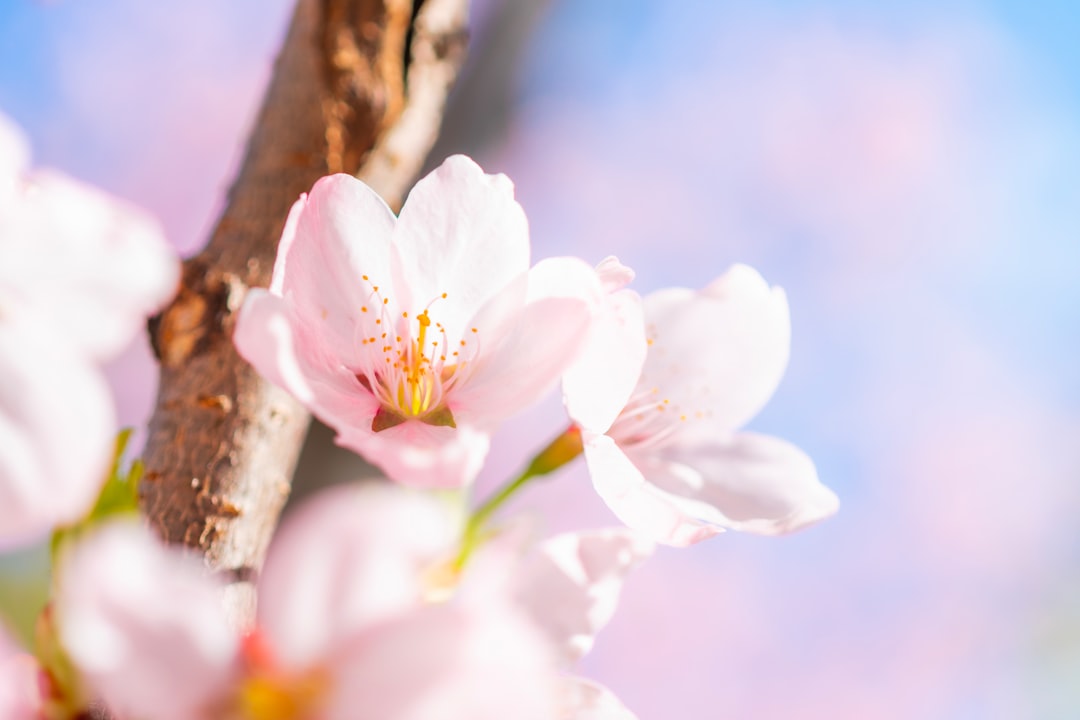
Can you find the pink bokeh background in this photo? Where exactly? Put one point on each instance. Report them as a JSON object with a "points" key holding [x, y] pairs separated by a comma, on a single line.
{"points": [[908, 174]]}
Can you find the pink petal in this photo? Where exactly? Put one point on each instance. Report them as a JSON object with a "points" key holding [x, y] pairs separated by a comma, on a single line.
{"points": [[93, 264], [752, 483], [755, 483], [20, 694], [613, 275], [717, 354], [421, 455], [662, 516], [524, 353], [586, 700], [446, 662], [144, 625], [333, 238], [571, 588], [269, 336], [56, 431], [460, 233], [351, 557], [599, 384], [264, 336]]}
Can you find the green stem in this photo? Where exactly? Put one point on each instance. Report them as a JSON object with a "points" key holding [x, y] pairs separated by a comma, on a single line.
{"points": [[559, 452]]}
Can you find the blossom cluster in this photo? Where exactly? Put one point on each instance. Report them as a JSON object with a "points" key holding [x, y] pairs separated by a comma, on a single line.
{"points": [[413, 336]]}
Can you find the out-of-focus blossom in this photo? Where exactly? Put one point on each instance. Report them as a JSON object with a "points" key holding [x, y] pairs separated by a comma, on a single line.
{"points": [[138, 620], [354, 592], [352, 624], [90, 265], [414, 337], [20, 694], [79, 272], [570, 588], [360, 618], [56, 427], [587, 700], [571, 584], [672, 464]]}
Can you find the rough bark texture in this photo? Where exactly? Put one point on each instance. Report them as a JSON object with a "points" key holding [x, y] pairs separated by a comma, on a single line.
{"points": [[358, 87]]}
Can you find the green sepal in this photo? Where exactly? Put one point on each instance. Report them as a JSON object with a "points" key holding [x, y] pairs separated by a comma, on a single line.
{"points": [[385, 419], [562, 450], [64, 692], [440, 417], [559, 452], [119, 497]]}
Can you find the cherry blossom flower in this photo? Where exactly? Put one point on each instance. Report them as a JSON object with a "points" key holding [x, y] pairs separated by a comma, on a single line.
{"points": [[414, 337], [107, 262], [672, 463], [586, 700], [352, 624], [362, 616], [79, 272], [357, 581], [141, 623]]}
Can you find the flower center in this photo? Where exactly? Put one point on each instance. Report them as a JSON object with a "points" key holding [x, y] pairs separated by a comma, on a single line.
{"points": [[439, 581], [282, 698], [414, 365], [268, 692], [650, 418]]}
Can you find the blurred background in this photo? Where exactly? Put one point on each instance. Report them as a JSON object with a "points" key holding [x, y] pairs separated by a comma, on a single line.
{"points": [[908, 171]]}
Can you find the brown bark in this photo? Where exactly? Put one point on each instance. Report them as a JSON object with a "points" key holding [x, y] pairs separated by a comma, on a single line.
{"points": [[346, 96]]}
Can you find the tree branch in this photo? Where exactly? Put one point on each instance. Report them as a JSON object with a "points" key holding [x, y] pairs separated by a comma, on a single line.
{"points": [[346, 96]]}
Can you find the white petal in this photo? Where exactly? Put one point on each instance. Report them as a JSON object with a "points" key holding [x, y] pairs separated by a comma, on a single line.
{"points": [[662, 516], [95, 265], [754, 483], [571, 587], [56, 431], [523, 354], [144, 624], [717, 354], [446, 662], [349, 558], [586, 700], [421, 455], [460, 233], [614, 276], [600, 382]]}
